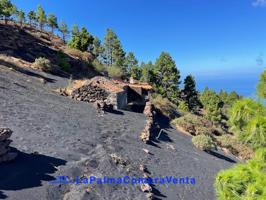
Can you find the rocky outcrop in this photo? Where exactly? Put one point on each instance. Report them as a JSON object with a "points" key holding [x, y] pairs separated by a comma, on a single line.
{"points": [[5, 155], [89, 93], [149, 112]]}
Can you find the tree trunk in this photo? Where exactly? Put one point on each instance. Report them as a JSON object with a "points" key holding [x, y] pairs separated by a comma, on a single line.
{"points": [[64, 37]]}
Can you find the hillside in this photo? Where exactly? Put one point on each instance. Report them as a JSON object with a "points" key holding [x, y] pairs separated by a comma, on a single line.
{"points": [[55, 135], [21, 46]]}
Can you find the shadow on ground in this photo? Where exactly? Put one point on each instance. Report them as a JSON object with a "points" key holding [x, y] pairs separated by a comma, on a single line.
{"points": [[27, 171], [25, 71], [220, 156], [161, 124]]}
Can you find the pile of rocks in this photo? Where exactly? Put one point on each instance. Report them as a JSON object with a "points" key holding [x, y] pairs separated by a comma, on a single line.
{"points": [[89, 93], [5, 155], [149, 112]]}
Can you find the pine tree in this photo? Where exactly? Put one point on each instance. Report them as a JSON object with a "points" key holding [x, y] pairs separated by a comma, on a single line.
{"points": [[212, 105], [167, 77], [147, 73], [7, 9], [32, 17], [81, 40], [97, 47], [130, 63], [135, 72], [75, 30], [63, 29], [41, 17], [21, 17], [190, 94], [114, 53], [261, 87], [52, 22]]}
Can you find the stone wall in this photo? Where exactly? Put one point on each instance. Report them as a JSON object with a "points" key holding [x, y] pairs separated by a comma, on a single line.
{"points": [[149, 112]]}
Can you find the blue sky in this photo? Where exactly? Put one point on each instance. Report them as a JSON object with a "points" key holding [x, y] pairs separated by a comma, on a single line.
{"points": [[208, 38]]}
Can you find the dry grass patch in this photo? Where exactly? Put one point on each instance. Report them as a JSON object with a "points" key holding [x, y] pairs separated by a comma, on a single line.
{"points": [[165, 106], [86, 56], [233, 145]]}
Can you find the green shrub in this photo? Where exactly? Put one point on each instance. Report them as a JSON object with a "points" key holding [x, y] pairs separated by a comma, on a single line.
{"points": [[99, 67], [243, 181], [254, 133], [165, 106], [115, 72], [193, 124], [235, 146], [201, 130], [203, 142], [242, 112], [183, 106], [62, 61], [260, 155], [43, 64], [226, 141]]}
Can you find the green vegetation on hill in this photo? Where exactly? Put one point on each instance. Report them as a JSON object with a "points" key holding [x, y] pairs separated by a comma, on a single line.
{"points": [[243, 181], [247, 119], [261, 88]]}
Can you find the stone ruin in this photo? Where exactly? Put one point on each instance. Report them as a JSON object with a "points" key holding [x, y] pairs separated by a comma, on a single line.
{"points": [[89, 93], [102, 92], [149, 112], [5, 154]]}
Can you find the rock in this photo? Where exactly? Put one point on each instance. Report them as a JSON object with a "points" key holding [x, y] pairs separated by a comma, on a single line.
{"points": [[146, 151], [5, 133], [5, 155], [146, 188]]}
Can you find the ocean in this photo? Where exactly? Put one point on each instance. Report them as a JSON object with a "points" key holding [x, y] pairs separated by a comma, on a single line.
{"points": [[243, 83]]}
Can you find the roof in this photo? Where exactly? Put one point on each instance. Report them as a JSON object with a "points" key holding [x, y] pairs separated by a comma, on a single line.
{"points": [[110, 85], [105, 84], [142, 85]]}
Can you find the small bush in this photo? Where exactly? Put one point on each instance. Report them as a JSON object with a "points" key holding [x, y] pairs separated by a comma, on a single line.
{"points": [[235, 146], [193, 124], [183, 106], [201, 130], [99, 67], [86, 56], [115, 72], [254, 133], [226, 141], [243, 181], [73, 52], [43, 64], [165, 106], [62, 61], [203, 142]]}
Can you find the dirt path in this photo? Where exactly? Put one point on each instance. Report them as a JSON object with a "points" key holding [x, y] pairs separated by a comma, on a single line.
{"points": [[58, 136]]}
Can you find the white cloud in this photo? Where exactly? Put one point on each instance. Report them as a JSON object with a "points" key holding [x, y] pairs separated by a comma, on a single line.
{"points": [[258, 3]]}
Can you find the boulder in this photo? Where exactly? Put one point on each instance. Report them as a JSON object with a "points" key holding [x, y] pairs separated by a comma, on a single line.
{"points": [[5, 133], [5, 155]]}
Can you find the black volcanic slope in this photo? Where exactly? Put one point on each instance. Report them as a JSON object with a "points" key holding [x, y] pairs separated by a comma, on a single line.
{"points": [[55, 135]]}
